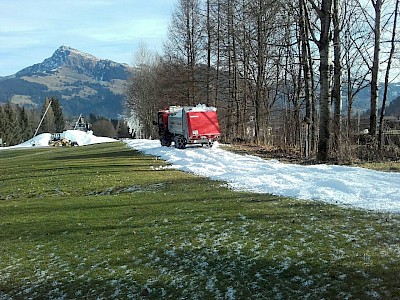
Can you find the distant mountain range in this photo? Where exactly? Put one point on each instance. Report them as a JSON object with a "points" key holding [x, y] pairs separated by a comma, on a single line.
{"points": [[362, 99], [83, 84], [393, 109]]}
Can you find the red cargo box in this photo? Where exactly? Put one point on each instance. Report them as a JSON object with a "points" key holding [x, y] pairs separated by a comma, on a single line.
{"points": [[203, 124]]}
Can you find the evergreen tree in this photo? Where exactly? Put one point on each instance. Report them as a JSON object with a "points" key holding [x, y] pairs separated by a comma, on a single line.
{"points": [[25, 128], [123, 129], [59, 122], [11, 129], [48, 120], [2, 124], [92, 118]]}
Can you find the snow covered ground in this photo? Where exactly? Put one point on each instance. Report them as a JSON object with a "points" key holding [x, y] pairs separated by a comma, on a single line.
{"points": [[342, 185], [81, 137], [356, 187]]}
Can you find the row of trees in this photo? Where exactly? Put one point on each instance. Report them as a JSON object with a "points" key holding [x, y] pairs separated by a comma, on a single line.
{"points": [[15, 126], [19, 124], [113, 128], [278, 71], [52, 118]]}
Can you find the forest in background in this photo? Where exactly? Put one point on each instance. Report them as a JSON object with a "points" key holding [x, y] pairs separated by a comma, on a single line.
{"points": [[19, 124], [282, 74]]}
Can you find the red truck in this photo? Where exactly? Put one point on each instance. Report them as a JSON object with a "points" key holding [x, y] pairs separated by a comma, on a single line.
{"points": [[185, 125]]}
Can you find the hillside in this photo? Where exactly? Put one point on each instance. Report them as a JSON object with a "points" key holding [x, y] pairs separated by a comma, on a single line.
{"points": [[394, 108], [82, 82]]}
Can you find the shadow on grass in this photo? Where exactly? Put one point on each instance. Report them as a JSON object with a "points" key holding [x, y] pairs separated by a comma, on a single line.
{"points": [[188, 277], [189, 261], [194, 274], [21, 152], [184, 272], [100, 151], [119, 153]]}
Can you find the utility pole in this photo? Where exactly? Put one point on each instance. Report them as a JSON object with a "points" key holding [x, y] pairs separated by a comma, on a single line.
{"points": [[48, 106]]}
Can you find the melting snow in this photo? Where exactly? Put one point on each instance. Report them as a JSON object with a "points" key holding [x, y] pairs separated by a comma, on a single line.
{"points": [[81, 137], [357, 187], [354, 186]]}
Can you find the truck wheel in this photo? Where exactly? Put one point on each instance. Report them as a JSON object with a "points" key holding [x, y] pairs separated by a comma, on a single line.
{"points": [[165, 142], [180, 142]]}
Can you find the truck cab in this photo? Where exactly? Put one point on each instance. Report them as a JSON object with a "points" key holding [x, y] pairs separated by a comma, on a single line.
{"points": [[162, 123]]}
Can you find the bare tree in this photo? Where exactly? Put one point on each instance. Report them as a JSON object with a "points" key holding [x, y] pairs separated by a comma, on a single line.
{"points": [[209, 43], [324, 13], [186, 41], [142, 92], [389, 63], [377, 4], [304, 61], [337, 82], [264, 59], [104, 127]]}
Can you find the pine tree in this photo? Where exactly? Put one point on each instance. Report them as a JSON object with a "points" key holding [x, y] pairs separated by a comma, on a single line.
{"points": [[11, 128], [2, 125], [25, 128], [48, 120], [59, 122]]}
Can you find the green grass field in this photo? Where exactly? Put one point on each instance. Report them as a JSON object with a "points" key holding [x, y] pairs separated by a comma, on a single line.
{"points": [[106, 222]]}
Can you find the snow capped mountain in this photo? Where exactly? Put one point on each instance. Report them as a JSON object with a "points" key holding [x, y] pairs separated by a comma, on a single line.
{"points": [[78, 61], [82, 82]]}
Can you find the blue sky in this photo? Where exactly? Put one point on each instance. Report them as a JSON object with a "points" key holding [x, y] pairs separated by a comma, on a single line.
{"points": [[31, 30]]}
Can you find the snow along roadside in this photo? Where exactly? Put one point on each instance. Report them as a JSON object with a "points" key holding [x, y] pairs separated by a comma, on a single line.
{"points": [[353, 186]]}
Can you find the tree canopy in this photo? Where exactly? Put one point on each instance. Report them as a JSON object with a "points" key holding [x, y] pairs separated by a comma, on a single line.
{"points": [[281, 73]]}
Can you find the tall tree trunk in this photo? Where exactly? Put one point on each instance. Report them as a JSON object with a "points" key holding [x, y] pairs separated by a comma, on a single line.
{"points": [[230, 37], [377, 4], [193, 57], [246, 67], [349, 101], [209, 38], [260, 68], [304, 38], [337, 87], [234, 74], [218, 63], [325, 81], [389, 63], [314, 125]]}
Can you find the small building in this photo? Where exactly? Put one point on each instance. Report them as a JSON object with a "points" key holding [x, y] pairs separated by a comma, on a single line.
{"points": [[81, 124]]}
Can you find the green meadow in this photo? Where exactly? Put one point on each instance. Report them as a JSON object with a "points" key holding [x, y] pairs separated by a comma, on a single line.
{"points": [[107, 222]]}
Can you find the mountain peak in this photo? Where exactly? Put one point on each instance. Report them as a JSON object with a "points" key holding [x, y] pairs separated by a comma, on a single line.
{"points": [[80, 62], [66, 48], [65, 51], [83, 83]]}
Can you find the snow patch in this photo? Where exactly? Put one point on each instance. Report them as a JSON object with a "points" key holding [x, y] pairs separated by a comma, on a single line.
{"points": [[81, 137], [341, 185]]}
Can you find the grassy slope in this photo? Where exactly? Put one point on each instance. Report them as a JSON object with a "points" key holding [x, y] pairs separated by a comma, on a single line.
{"points": [[390, 166], [104, 221]]}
